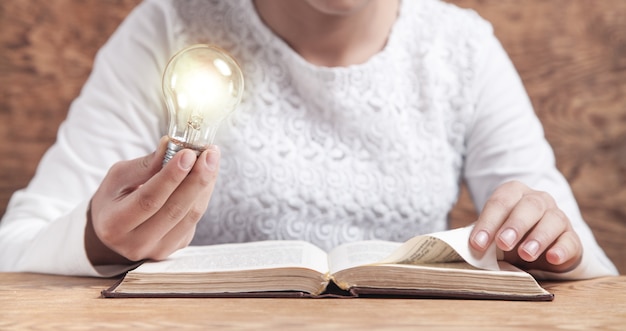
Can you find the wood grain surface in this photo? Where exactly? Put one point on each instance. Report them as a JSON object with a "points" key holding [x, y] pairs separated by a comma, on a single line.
{"points": [[44, 302], [571, 55]]}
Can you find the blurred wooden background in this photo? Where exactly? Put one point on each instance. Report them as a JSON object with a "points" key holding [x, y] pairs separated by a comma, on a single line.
{"points": [[571, 55]]}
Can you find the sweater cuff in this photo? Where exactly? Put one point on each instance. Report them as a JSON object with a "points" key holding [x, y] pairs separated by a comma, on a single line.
{"points": [[60, 249]]}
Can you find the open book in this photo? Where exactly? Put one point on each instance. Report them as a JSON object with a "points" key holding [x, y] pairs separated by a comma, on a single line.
{"points": [[436, 265]]}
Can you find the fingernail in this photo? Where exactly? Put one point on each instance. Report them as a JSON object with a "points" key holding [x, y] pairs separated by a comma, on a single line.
{"points": [[531, 247], [559, 253], [508, 237], [212, 158], [481, 238], [187, 160]]}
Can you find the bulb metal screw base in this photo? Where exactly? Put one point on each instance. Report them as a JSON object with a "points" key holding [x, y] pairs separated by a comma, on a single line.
{"points": [[173, 148]]}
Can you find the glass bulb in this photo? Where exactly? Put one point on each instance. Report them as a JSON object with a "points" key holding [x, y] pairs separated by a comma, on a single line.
{"points": [[202, 85]]}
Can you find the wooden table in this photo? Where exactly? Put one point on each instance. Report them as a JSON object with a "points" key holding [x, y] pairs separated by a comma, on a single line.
{"points": [[44, 302]]}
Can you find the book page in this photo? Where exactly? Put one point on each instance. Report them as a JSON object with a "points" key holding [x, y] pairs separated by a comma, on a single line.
{"points": [[445, 246], [359, 253], [244, 256]]}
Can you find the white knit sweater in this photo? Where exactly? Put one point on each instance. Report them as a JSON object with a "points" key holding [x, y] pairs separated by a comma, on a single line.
{"points": [[328, 155]]}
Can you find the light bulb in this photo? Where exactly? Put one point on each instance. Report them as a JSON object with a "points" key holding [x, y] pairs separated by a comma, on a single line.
{"points": [[202, 85]]}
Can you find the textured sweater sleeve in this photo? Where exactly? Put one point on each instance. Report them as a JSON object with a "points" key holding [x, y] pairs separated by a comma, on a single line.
{"points": [[117, 116], [506, 142]]}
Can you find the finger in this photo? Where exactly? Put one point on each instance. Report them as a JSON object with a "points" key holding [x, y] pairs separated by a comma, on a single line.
{"points": [[563, 255], [553, 224], [125, 176], [187, 238], [150, 198], [180, 236], [566, 252], [495, 212], [188, 202], [529, 210]]}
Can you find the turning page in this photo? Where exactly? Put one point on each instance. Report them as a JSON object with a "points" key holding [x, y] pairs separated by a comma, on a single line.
{"points": [[445, 246]]}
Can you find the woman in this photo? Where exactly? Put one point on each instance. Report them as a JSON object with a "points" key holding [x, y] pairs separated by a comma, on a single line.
{"points": [[360, 119]]}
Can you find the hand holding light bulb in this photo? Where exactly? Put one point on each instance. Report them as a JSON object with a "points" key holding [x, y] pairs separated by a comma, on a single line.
{"points": [[148, 207]]}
